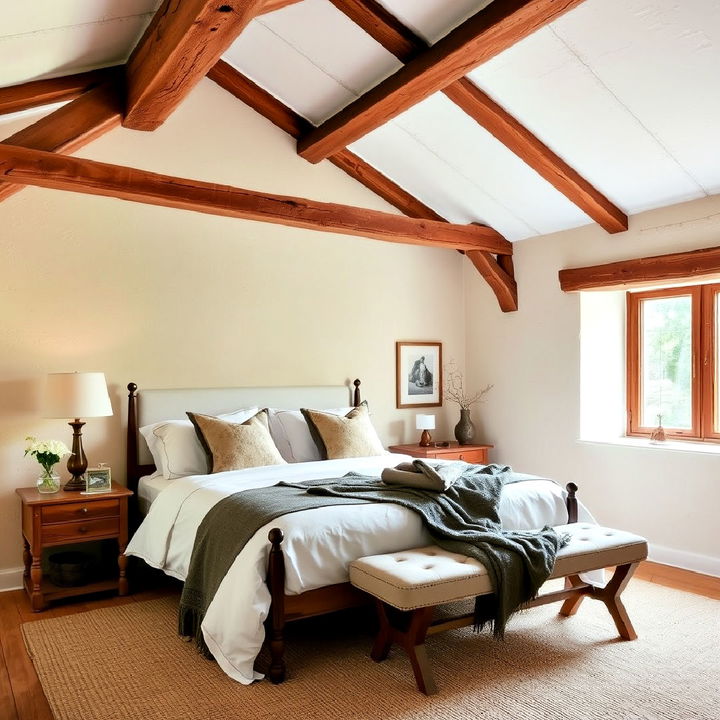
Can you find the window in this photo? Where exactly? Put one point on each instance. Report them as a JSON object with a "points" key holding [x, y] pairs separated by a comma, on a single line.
{"points": [[672, 362]]}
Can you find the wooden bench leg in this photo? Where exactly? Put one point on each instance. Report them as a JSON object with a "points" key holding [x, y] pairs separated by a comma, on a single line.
{"points": [[407, 629], [610, 595], [571, 605], [413, 640], [384, 638]]}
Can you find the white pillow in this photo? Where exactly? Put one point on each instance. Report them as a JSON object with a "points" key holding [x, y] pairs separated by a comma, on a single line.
{"points": [[291, 434], [175, 447]]}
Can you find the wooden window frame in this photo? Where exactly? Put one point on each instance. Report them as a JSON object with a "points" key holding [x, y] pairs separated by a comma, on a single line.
{"points": [[703, 365]]}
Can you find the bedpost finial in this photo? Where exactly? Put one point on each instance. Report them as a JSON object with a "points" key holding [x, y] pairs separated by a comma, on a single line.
{"points": [[356, 394], [132, 387], [572, 488], [275, 536], [356, 383]]}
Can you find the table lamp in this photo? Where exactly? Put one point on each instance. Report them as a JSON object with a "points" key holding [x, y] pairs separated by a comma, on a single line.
{"points": [[425, 423], [76, 395]]}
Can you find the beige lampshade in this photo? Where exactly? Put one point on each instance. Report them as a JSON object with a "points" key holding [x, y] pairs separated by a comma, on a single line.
{"points": [[425, 422], [76, 395]]}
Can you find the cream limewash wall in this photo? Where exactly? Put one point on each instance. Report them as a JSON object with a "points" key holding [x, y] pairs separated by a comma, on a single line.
{"points": [[533, 413], [169, 298]]}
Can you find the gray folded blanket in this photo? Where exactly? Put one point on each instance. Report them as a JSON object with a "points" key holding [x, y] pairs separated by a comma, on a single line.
{"points": [[424, 475]]}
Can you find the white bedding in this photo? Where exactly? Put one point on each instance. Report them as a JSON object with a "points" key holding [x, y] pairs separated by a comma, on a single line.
{"points": [[149, 487], [319, 544]]}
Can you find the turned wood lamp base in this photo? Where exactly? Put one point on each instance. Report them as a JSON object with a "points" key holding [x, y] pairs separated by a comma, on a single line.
{"points": [[77, 464]]}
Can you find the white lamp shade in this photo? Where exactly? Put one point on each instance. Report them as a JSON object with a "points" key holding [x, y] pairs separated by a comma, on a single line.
{"points": [[424, 422], [76, 395]]}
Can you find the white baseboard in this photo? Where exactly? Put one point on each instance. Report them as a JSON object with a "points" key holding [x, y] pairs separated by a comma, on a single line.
{"points": [[688, 561], [11, 579]]}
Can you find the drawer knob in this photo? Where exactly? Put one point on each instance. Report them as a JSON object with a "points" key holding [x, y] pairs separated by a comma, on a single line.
{"points": [[82, 529], [462, 457], [83, 510]]}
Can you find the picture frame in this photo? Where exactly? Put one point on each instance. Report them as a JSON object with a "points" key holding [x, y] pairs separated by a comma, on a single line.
{"points": [[418, 374], [98, 480]]}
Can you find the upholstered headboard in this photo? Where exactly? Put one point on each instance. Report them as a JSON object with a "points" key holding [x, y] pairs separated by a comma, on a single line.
{"points": [[149, 406]]}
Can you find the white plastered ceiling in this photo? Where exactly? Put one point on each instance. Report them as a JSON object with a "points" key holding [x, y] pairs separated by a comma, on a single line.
{"points": [[626, 91]]}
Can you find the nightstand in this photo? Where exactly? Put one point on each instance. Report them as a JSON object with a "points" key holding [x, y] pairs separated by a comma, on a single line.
{"points": [[66, 518], [477, 454]]}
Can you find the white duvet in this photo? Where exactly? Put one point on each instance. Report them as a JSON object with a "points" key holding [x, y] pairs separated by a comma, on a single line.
{"points": [[319, 544]]}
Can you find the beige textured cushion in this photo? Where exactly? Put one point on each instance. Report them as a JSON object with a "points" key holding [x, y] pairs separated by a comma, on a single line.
{"points": [[235, 446], [592, 547], [344, 437], [428, 576], [420, 577]]}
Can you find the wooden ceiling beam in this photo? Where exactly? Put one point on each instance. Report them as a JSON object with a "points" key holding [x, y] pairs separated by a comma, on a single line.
{"points": [[183, 41], [59, 172], [45, 92], [501, 282], [495, 28], [643, 271], [273, 5], [375, 20], [70, 127], [288, 120]]}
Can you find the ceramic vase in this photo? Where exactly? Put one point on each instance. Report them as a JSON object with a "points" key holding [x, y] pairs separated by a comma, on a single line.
{"points": [[464, 430]]}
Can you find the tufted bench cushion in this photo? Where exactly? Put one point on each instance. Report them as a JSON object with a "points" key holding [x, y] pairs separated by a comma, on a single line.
{"points": [[593, 547], [432, 576]]}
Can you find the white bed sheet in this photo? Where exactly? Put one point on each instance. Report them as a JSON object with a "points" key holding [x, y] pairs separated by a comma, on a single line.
{"points": [[149, 487], [319, 544]]}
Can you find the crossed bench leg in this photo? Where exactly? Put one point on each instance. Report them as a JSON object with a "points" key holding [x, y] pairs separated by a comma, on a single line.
{"points": [[407, 587]]}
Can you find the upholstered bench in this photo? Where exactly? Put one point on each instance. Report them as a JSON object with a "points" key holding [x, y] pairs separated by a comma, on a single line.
{"points": [[408, 585]]}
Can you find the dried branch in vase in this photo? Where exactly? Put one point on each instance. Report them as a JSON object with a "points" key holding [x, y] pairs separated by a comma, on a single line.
{"points": [[455, 388]]}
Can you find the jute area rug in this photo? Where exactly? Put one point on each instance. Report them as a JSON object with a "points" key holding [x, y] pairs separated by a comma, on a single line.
{"points": [[127, 662]]}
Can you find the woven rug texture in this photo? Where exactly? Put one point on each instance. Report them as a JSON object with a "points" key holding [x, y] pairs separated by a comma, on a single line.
{"points": [[127, 662]]}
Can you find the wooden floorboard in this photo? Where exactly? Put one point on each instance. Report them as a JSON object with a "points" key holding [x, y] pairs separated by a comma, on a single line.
{"points": [[21, 695], [30, 702]]}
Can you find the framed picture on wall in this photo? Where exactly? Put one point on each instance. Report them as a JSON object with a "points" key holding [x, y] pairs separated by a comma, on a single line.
{"points": [[418, 371]]}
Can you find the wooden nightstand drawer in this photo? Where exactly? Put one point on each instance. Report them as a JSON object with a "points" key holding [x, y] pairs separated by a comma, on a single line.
{"points": [[74, 531], [469, 456], [80, 511]]}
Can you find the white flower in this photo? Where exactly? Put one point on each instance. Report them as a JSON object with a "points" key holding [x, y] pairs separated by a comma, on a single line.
{"points": [[51, 447]]}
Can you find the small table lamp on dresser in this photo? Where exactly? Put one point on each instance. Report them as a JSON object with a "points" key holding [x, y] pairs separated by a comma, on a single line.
{"points": [[74, 396], [425, 423]]}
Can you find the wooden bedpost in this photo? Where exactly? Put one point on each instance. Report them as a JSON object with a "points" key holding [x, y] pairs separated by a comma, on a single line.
{"points": [[276, 617], [356, 394], [571, 502], [132, 433]]}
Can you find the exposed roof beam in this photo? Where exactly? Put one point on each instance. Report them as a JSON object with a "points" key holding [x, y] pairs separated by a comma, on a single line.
{"points": [[70, 127], [45, 92], [286, 119], [273, 5], [501, 282], [404, 44], [499, 273], [183, 41], [490, 31], [59, 172], [643, 271]]}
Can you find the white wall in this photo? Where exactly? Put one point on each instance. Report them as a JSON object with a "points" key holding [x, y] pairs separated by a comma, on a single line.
{"points": [[533, 413], [169, 298]]}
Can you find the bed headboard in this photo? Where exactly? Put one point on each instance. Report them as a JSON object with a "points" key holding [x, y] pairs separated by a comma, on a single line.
{"points": [[149, 406]]}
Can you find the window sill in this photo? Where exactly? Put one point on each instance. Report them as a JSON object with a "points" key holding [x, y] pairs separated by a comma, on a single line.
{"points": [[645, 444]]}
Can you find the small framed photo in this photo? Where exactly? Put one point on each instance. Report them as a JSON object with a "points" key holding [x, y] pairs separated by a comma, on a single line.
{"points": [[98, 480], [418, 369]]}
